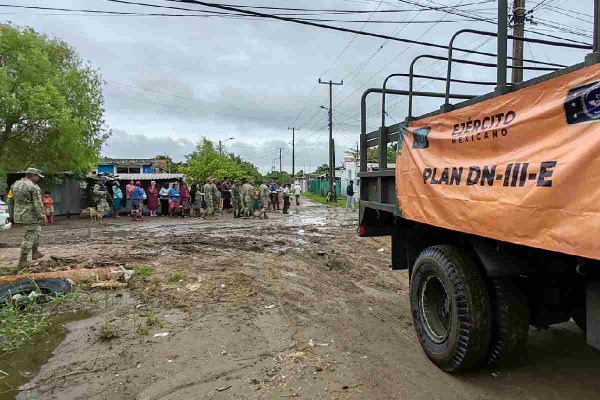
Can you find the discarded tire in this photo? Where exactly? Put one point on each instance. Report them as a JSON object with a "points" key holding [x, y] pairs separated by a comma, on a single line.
{"points": [[510, 322], [450, 308], [45, 287]]}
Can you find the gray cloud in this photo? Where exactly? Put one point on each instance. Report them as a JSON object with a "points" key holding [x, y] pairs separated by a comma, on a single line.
{"points": [[251, 78], [124, 145]]}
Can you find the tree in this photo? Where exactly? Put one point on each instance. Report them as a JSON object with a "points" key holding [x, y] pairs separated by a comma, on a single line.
{"points": [[322, 169], [169, 165], [206, 162], [283, 178], [51, 104], [373, 153]]}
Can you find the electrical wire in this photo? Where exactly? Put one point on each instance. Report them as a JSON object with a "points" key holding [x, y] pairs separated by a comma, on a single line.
{"points": [[360, 32]]}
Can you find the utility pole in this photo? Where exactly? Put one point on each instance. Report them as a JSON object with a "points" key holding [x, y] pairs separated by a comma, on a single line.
{"points": [[280, 162], [293, 150], [331, 160], [501, 86], [518, 31], [220, 148]]}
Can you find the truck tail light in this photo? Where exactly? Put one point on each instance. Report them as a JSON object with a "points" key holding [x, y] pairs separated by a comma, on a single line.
{"points": [[361, 230]]}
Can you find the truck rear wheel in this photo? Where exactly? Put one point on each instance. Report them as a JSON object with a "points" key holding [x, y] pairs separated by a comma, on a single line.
{"points": [[450, 308], [510, 325]]}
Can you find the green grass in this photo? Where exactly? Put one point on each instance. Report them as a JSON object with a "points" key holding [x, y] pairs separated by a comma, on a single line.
{"points": [[68, 297], [151, 319], [143, 271], [21, 319], [176, 277], [341, 202], [19, 322]]}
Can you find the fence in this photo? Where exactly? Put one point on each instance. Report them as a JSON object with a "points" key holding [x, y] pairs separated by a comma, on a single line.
{"points": [[321, 187]]}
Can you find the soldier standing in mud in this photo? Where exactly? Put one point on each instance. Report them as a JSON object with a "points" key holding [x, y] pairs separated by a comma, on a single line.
{"points": [[247, 192], [209, 198], [100, 192], [29, 212], [237, 199], [264, 197]]}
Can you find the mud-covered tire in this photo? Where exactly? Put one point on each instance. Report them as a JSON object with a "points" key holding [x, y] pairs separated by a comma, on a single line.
{"points": [[510, 322], [450, 308], [46, 286]]}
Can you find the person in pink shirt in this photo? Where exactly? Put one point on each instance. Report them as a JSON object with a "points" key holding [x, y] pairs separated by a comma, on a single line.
{"points": [[128, 191]]}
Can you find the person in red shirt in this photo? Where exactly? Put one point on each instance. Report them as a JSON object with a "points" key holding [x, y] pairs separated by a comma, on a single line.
{"points": [[48, 202]]}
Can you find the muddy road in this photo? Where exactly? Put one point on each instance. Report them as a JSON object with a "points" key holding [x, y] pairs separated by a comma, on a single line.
{"points": [[296, 306]]}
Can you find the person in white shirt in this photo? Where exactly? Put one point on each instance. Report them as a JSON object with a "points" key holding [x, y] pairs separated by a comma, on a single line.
{"points": [[286, 198], [297, 191]]}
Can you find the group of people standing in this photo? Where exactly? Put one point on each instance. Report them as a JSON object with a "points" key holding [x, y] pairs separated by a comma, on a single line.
{"points": [[207, 200]]}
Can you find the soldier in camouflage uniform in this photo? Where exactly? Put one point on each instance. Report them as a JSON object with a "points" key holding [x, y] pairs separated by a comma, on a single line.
{"points": [[100, 193], [247, 192], [236, 194], [210, 198], [264, 196], [29, 212]]}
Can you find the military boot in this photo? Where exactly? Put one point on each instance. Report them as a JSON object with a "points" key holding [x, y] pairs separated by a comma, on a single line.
{"points": [[35, 254], [22, 260]]}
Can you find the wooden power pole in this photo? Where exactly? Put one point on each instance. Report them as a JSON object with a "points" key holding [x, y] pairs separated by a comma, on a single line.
{"points": [[518, 31], [331, 150], [293, 151]]}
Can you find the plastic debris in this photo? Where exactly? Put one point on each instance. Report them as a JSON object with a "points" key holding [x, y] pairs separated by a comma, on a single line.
{"points": [[312, 343], [161, 334], [222, 388], [380, 250], [109, 285], [271, 306]]}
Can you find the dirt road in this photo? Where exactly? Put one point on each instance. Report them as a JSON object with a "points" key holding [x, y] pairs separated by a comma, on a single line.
{"points": [[295, 306]]}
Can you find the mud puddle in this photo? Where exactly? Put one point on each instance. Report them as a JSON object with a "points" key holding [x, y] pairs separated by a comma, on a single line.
{"points": [[21, 366]]}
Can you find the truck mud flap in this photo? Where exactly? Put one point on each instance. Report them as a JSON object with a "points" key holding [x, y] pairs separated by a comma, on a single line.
{"points": [[375, 222], [593, 314]]}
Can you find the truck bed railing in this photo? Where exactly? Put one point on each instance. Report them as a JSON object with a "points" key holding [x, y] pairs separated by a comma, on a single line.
{"points": [[501, 64]]}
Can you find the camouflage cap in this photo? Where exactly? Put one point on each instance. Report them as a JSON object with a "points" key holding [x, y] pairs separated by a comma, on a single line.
{"points": [[34, 171]]}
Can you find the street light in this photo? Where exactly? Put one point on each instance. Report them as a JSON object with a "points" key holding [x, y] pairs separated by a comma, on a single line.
{"points": [[221, 145]]}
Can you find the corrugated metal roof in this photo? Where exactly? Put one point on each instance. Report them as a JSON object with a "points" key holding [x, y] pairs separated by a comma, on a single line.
{"points": [[148, 177], [126, 161]]}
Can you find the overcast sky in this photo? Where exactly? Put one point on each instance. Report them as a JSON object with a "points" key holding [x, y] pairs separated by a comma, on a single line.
{"points": [[172, 80]]}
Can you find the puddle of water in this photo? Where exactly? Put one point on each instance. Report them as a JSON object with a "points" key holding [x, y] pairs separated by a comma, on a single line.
{"points": [[21, 366]]}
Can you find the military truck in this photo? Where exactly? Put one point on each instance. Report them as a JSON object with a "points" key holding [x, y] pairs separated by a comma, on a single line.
{"points": [[493, 206]]}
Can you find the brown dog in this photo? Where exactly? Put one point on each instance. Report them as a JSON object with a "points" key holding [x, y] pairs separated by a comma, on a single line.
{"points": [[94, 216]]}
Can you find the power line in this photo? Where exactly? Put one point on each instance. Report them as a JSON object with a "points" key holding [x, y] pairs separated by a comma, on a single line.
{"points": [[359, 32], [348, 45], [134, 14]]}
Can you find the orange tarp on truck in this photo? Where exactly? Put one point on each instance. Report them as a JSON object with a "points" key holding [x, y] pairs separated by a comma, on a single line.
{"points": [[523, 167]]}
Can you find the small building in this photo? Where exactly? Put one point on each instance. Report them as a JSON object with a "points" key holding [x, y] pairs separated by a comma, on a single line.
{"points": [[66, 188], [145, 179], [114, 166]]}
